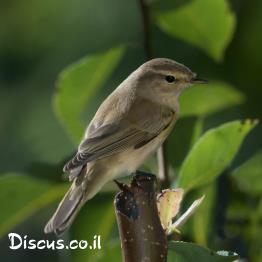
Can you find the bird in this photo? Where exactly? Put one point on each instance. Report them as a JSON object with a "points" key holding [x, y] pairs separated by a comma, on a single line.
{"points": [[130, 125]]}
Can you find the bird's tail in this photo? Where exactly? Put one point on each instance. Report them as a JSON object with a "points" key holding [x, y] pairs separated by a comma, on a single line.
{"points": [[66, 210], [86, 183]]}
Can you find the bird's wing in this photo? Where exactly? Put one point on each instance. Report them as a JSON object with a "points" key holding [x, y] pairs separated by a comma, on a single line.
{"points": [[109, 139]]}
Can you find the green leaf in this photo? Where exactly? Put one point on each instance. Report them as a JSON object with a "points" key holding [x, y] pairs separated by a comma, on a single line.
{"points": [[113, 251], [203, 218], [187, 252], [204, 100], [206, 24], [212, 153], [78, 84], [167, 4], [21, 196], [97, 217], [248, 175]]}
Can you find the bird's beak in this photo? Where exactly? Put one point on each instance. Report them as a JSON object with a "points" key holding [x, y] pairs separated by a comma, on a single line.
{"points": [[197, 80]]}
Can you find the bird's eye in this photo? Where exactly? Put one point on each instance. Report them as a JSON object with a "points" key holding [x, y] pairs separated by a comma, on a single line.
{"points": [[170, 79]]}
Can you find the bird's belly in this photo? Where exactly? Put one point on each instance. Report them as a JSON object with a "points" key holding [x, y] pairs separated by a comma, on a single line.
{"points": [[128, 161]]}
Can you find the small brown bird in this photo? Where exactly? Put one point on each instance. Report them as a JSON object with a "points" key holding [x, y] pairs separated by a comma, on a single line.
{"points": [[133, 121]]}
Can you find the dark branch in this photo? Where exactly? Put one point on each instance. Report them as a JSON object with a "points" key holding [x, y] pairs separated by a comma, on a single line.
{"points": [[146, 27], [141, 233]]}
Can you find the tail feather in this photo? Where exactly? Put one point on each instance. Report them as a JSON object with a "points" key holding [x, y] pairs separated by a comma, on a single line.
{"points": [[86, 183], [66, 211]]}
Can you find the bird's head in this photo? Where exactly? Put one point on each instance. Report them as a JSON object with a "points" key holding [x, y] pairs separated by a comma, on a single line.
{"points": [[164, 77]]}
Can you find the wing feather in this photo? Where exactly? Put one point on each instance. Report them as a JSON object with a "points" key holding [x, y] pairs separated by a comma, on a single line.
{"points": [[113, 138]]}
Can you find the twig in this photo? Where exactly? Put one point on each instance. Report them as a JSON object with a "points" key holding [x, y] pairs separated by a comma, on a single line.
{"points": [[141, 234], [161, 159], [162, 166], [146, 27]]}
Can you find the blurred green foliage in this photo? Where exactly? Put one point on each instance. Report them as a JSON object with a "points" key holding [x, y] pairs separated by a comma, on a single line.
{"points": [[212, 153], [248, 175], [99, 217], [22, 196], [77, 85], [222, 96], [205, 24], [187, 252], [100, 43]]}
